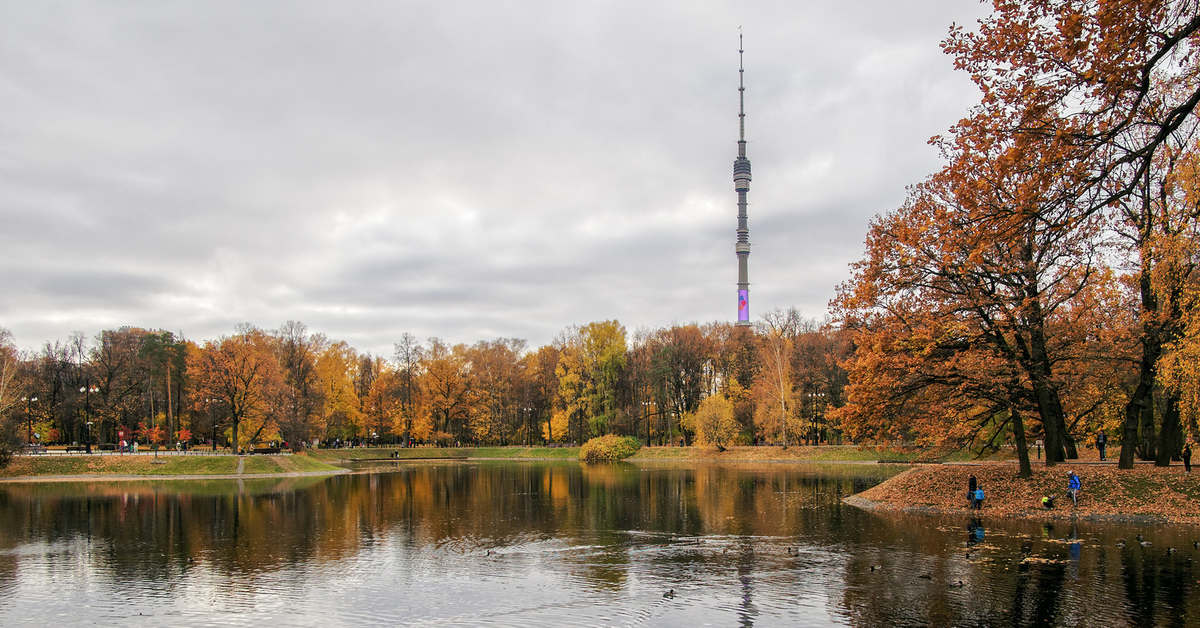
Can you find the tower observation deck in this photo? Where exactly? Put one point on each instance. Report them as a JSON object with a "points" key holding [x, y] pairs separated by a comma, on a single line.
{"points": [[741, 183]]}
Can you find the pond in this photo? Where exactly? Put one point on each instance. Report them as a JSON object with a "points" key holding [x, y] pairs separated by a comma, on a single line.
{"points": [[562, 544]]}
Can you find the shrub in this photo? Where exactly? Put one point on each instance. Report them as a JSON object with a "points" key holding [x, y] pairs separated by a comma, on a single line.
{"points": [[609, 448]]}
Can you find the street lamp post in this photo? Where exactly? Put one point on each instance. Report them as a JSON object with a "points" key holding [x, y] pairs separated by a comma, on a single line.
{"points": [[29, 401], [87, 389]]}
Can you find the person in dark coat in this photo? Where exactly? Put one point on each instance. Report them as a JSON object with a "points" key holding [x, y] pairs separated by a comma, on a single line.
{"points": [[1101, 442], [972, 484], [1187, 458]]}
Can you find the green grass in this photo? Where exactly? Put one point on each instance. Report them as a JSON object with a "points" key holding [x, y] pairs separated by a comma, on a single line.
{"points": [[553, 453], [372, 453], [443, 453], [306, 464], [194, 465], [158, 466], [262, 464]]}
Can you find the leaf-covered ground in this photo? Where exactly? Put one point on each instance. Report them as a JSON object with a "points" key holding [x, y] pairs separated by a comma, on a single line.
{"points": [[1145, 492]]}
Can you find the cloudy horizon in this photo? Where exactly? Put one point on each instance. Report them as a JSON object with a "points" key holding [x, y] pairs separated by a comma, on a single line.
{"points": [[464, 170]]}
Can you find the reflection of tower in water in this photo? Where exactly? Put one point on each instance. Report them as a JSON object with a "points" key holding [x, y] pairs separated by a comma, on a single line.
{"points": [[747, 611], [741, 183]]}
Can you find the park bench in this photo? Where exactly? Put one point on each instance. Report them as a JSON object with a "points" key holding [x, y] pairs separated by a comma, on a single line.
{"points": [[33, 449], [266, 450], [74, 448]]}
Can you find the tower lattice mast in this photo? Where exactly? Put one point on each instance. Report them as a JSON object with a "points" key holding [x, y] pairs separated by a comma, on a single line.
{"points": [[741, 183]]}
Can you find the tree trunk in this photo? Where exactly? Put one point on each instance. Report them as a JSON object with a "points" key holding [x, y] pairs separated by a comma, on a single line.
{"points": [[1129, 431], [1018, 426], [1148, 433], [1037, 363], [1170, 437], [1067, 439], [170, 413]]}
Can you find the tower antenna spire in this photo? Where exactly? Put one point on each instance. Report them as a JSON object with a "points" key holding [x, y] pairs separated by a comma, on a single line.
{"points": [[741, 184]]}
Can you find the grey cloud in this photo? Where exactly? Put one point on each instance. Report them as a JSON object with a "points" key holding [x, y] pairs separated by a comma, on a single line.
{"points": [[459, 169]]}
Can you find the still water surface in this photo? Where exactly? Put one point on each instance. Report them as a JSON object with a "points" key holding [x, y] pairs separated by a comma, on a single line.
{"points": [[561, 544]]}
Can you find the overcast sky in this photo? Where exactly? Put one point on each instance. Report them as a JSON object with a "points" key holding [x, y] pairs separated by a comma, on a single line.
{"points": [[466, 170]]}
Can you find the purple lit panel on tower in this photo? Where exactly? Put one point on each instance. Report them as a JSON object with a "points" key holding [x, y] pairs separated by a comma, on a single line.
{"points": [[743, 305]]}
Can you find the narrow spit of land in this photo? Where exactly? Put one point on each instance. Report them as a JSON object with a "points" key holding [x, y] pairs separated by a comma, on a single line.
{"points": [[1144, 494]]}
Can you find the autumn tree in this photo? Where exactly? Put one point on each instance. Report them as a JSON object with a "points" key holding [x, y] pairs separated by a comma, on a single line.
{"points": [[956, 307], [240, 375], [713, 422], [541, 366], [297, 351], [449, 390], [683, 363], [163, 361], [341, 414], [779, 329], [408, 354], [500, 376], [1175, 288], [737, 364], [11, 391], [643, 389], [1108, 87], [590, 363], [381, 406], [817, 356]]}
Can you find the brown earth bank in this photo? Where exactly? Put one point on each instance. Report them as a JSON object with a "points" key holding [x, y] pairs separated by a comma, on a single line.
{"points": [[1144, 494]]}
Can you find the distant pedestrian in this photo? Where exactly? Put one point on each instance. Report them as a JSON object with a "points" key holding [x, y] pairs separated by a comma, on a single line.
{"points": [[1187, 458], [1101, 442], [972, 484], [1073, 487], [1039, 447]]}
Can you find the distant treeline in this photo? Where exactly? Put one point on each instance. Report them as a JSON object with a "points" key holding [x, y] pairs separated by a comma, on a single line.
{"points": [[716, 383]]}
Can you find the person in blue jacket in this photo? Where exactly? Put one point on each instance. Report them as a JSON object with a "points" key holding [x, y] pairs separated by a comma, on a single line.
{"points": [[1073, 487]]}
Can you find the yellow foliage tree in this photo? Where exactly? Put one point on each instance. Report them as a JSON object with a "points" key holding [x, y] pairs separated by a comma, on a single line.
{"points": [[341, 414], [713, 422]]}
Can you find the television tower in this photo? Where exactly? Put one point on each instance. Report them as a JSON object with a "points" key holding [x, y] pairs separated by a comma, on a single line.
{"points": [[741, 183]]}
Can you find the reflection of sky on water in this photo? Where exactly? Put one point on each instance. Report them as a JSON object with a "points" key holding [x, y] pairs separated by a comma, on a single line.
{"points": [[553, 545]]}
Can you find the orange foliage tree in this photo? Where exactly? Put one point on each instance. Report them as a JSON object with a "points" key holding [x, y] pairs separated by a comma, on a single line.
{"points": [[1108, 89], [239, 375]]}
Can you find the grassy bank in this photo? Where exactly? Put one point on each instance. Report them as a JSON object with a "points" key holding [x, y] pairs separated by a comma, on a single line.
{"points": [[323, 459], [801, 453], [732, 454], [1146, 493], [33, 466]]}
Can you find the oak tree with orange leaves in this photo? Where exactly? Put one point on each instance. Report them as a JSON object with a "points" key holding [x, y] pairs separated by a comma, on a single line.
{"points": [[1111, 86]]}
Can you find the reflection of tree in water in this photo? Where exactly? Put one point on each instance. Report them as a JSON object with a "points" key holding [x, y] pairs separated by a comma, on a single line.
{"points": [[1158, 584]]}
